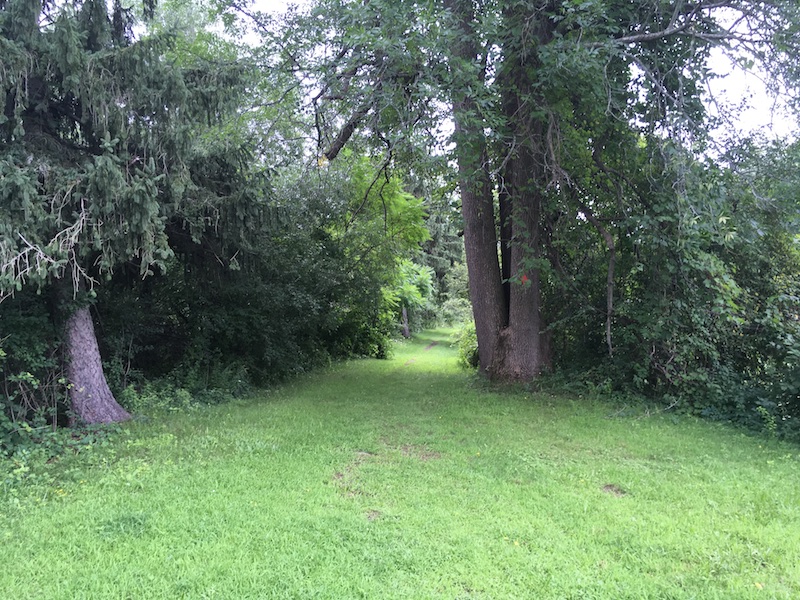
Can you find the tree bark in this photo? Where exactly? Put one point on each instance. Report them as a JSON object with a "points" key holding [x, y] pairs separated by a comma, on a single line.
{"points": [[480, 244], [477, 201], [92, 400], [524, 177], [406, 328], [524, 354]]}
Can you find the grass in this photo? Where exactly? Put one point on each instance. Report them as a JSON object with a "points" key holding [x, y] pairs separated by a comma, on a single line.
{"points": [[406, 479]]}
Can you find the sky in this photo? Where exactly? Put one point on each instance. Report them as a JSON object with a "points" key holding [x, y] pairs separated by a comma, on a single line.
{"points": [[765, 114]]}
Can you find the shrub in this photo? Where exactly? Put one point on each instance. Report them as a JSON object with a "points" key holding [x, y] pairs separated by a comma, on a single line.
{"points": [[466, 339]]}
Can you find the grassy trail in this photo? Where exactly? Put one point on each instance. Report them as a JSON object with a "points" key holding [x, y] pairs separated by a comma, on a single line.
{"points": [[402, 479]]}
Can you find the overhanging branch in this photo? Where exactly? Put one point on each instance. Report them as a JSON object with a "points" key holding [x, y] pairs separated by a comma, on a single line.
{"points": [[347, 131]]}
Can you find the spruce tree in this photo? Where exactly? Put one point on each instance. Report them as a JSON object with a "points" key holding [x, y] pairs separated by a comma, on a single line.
{"points": [[96, 131]]}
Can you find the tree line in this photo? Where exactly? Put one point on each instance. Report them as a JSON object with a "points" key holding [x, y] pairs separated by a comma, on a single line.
{"points": [[179, 206]]}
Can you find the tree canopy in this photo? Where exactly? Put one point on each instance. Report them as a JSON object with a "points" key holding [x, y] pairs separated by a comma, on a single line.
{"points": [[582, 143]]}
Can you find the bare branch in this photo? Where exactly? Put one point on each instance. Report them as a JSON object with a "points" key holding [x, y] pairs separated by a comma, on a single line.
{"points": [[53, 258], [347, 131]]}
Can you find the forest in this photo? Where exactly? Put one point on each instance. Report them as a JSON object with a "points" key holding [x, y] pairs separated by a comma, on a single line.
{"points": [[199, 198]]}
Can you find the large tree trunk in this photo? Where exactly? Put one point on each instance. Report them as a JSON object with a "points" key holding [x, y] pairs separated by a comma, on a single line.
{"points": [[480, 243], [523, 352], [477, 201], [506, 302], [524, 176], [92, 400]]}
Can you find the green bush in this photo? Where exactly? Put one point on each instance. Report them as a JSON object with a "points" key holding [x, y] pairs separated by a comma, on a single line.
{"points": [[454, 312], [154, 398], [466, 340], [34, 395]]}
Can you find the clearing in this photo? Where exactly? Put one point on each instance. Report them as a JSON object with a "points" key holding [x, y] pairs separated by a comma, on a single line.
{"points": [[407, 479]]}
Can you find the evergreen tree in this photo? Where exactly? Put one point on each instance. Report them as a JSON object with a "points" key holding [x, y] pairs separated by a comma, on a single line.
{"points": [[97, 130]]}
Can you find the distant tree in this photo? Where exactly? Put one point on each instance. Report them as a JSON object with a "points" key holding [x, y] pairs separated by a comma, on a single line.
{"points": [[411, 290]]}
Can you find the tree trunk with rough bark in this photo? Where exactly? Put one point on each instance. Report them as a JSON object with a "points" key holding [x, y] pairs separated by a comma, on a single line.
{"points": [[477, 201], [506, 299], [406, 327], [523, 181], [92, 400]]}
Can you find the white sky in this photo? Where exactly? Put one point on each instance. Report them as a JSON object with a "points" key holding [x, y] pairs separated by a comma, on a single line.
{"points": [[275, 6], [763, 112]]}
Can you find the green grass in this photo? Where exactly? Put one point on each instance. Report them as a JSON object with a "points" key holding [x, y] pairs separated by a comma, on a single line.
{"points": [[407, 479]]}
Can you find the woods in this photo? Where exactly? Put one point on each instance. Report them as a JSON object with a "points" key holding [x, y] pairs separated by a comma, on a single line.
{"points": [[196, 206]]}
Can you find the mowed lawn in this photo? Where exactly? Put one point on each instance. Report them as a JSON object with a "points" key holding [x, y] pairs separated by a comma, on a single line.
{"points": [[407, 479]]}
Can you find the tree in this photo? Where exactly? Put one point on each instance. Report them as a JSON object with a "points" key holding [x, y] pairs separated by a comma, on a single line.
{"points": [[380, 225], [97, 130], [566, 84], [411, 290], [556, 106]]}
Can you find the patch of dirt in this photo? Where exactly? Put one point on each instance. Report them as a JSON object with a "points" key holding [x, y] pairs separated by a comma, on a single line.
{"points": [[419, 452], [410, 361], [374, 515], [611, 488], [347, 478], [431, 345]]}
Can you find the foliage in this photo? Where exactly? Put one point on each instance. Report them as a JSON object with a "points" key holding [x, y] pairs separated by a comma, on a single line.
{"points": [[96, 146], [705, 280], [102, 135], [724, 278], [364, 223], [411, 289], [293, 303], [583, 126], [153, 399], [244, 214], [443, 252], [33, 388], [466, 341], [34, 401], [224, 280], [305, 290]]}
